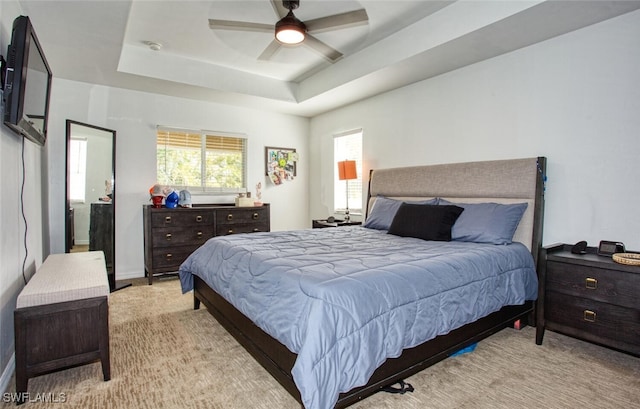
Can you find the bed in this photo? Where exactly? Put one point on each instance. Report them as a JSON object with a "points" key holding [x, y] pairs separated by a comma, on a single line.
{"points": [[338, 314]]}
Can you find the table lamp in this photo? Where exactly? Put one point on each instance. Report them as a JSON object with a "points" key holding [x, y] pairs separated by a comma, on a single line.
{"points": [[346, 172]]}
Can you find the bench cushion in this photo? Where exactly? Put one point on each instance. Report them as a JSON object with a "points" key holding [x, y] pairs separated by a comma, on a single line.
{"points": [[66, 277]]}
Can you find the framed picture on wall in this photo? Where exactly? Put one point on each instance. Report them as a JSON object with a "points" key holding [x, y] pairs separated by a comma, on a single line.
{"points": [[280, 164]]}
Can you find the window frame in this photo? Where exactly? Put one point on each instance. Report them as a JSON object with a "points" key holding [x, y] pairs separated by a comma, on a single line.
{"points": [[81, 159], [203, 189], [340, 185]]}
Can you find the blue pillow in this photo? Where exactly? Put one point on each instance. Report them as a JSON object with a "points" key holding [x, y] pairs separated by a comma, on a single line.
{"points": [[384, 210], [487, 222]]}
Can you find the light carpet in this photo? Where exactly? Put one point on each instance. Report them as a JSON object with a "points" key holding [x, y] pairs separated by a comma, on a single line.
{"points": [[166, 355]]}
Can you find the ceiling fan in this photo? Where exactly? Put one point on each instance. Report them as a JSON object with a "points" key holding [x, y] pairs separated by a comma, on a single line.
{"points": [[291, 31]]}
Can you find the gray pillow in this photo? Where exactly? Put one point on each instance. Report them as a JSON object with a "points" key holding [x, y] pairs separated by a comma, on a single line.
{"points": [[486, 222], [384, 209]]}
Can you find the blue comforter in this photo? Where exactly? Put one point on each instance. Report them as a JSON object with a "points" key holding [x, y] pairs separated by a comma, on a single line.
{"points": [[346, 299]]}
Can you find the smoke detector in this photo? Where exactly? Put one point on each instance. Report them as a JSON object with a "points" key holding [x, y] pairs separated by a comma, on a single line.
{"points": [[153, 45]]}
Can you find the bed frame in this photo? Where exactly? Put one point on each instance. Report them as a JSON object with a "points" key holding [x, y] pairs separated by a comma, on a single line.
{"points": [[505, 181]]}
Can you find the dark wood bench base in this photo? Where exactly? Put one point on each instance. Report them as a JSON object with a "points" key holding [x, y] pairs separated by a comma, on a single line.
{"points": [[51, 337]]}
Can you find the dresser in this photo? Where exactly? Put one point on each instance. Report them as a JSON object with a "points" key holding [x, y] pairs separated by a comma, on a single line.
{"points": [[589, 297], [171, 235], [101, 235]]}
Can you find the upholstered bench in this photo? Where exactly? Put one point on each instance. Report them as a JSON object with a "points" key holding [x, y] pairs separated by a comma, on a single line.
{"points": [[62, 317]]}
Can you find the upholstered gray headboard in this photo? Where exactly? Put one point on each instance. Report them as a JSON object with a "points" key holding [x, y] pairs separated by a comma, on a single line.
{"points": [[500, 181]]}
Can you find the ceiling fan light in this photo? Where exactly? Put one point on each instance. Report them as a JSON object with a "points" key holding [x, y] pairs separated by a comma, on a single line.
{"points": [[290, 30], [290, 36]]}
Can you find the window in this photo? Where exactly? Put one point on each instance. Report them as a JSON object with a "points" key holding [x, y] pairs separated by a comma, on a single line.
{"points": [[201, 161], [348, 146], [77, 169]]}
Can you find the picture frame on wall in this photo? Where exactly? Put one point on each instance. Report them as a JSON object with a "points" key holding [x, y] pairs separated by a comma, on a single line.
{"points": [[280, 164]]}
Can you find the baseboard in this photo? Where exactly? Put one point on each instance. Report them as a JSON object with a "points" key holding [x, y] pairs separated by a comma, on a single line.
{"points": [[127, 275], [7, 373]]}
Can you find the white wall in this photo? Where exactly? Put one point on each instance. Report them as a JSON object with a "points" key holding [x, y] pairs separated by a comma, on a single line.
{"points": [[12, 227], [134, 116], [574, 99]]}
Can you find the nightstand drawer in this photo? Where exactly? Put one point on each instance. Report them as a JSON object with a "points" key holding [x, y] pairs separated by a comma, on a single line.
{"points": [[593, 317], [610, 286]]}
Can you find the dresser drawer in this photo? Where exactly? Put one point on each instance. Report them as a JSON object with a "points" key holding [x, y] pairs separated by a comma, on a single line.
{"points": [[610, 286], [593, 317], [241, 215], [177, 236], [171, 257], [182, 217], [226, 229]]}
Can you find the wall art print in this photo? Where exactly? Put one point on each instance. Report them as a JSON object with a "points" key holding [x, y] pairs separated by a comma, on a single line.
{"points": [[281, 164]]}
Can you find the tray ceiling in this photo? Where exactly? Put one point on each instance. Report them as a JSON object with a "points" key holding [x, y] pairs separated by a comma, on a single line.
{"points": [[107, 43]]}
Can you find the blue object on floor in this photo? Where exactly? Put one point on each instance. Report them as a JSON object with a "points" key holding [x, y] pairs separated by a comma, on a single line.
{"points": [[470, 348]]}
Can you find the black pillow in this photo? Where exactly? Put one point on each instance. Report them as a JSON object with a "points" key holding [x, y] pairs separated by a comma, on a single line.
{"points": [[427, 222]]}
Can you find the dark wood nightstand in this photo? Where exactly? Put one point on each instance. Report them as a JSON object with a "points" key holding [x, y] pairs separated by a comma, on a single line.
{"points": [[589, 297], [322, 223]]}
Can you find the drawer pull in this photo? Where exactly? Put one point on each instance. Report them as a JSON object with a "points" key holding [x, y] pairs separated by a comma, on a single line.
{"points": [[589, 316], [199, 234], [169, 255], [230, 231], [167, 219], [230, 216], [255, 216], [168, 236], [591, 283], [198, 218], [255, 229]]}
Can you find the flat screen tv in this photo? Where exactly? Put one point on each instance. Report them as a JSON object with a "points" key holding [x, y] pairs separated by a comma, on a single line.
{"points": [[27, 84]]}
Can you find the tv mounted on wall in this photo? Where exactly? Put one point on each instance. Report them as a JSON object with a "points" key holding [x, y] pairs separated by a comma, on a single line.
{"points": [[27, 83]]}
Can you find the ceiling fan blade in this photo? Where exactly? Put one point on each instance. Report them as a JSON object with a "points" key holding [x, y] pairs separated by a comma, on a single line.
{"points": [[343, 20], [327, 52], [269, 51], [280, 10], [239, 26]]}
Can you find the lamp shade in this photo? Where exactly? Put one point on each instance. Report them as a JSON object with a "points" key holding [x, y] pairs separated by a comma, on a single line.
{"points": [[347, 170]]}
